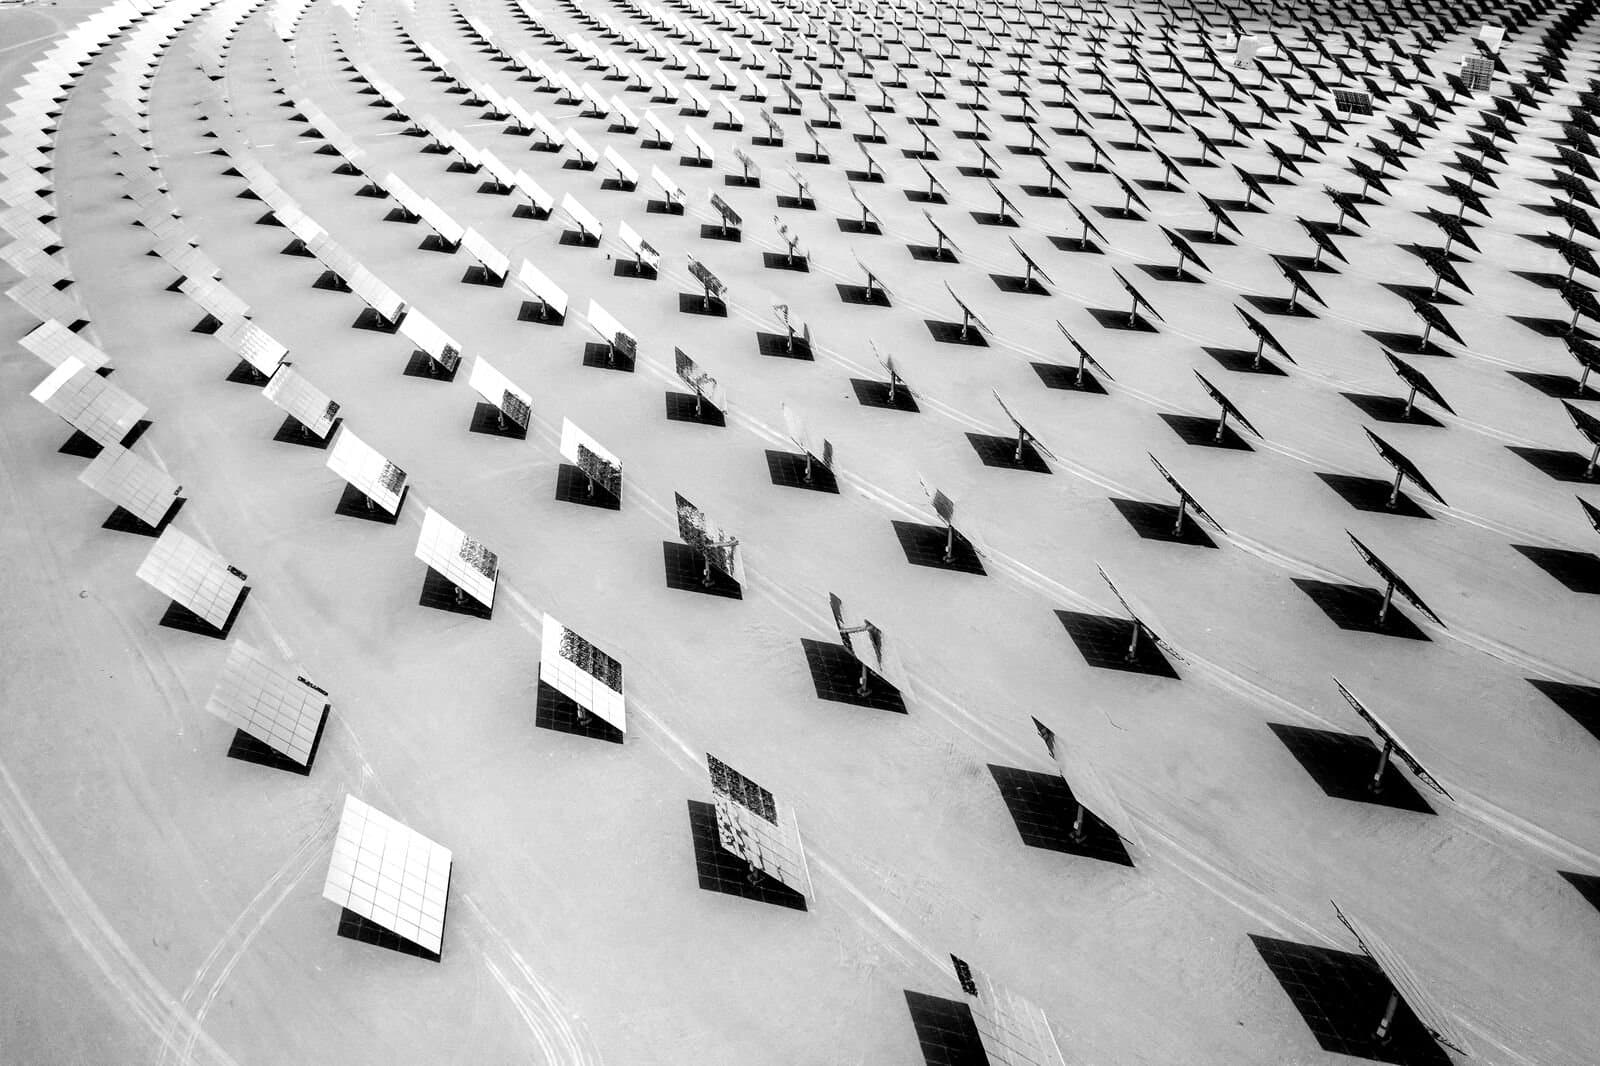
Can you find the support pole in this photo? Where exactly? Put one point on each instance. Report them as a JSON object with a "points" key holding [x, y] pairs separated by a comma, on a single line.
{"points": [[1382, 1034], [1222, 426], [1388, 598], [1394, 491]]}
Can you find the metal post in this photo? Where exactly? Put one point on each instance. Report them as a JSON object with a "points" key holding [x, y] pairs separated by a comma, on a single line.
{"points": [[1388, 598], [864, 687], [1594, 458], [1022, 438], [1394, 493], [950, 544], [1222, 426], [1077, 823], [1411, 400], [1183, 511], [705, 569], [1133, 644], [1382, 1034]]}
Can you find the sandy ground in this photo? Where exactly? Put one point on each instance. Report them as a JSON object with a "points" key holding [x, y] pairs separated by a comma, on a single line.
{"points": [[164, 901]]}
